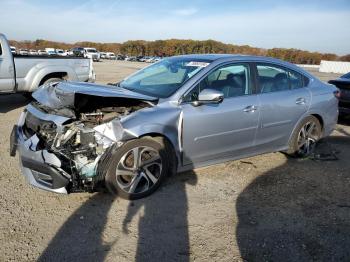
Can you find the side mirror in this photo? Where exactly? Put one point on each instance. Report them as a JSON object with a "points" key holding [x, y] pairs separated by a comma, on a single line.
{"points": [[209, 96]]}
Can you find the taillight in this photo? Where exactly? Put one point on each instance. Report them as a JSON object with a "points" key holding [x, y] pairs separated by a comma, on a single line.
{"points": [[337, 93]]}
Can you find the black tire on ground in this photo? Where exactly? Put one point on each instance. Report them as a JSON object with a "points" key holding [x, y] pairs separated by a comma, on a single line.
{"points": [[123, 155], [51, 80], [294, 149], [27, 95]]}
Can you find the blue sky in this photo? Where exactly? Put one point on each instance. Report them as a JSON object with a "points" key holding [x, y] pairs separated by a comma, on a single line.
{"points": [[311, 25]]}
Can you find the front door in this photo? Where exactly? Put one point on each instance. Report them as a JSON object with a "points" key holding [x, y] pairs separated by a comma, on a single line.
{"points": [[222, 130]]}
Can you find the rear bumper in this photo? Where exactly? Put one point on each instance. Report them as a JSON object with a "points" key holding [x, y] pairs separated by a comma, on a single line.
{"points": [[40, 167]]}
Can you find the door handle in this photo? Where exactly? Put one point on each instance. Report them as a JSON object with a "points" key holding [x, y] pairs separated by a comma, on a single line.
{"points": [[250, 109], [300, 101]]}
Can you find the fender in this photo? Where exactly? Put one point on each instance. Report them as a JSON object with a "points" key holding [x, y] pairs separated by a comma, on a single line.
{"points": [[169, 132], [136, 125]]}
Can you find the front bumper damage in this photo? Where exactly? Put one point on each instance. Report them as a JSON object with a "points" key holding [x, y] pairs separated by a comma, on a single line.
{"points": [[48, 170], [65, 138], [41, 168]]}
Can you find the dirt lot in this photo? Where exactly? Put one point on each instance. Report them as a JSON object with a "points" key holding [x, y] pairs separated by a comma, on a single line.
{"points": [[265, 208]]}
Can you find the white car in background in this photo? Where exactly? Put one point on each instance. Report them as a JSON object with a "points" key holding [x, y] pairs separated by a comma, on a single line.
{"points": [[23, 51], [50, 51], [91, 53], [110, 55], [13, 50], [33, 52], [103, 55], [60, 52], [42, 52]]}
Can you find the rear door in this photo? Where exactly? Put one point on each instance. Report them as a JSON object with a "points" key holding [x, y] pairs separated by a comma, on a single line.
{"points": [[7, 72], [283, 99]]}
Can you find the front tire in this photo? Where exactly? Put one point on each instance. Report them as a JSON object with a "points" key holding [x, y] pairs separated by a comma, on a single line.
{"points": [[305, 137], [138, 167]]}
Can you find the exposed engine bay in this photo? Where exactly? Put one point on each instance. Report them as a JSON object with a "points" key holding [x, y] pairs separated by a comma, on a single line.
{"points": [[78, 143]]}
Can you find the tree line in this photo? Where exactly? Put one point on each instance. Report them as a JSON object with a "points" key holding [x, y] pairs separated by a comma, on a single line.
{"points": [[172, 47]]}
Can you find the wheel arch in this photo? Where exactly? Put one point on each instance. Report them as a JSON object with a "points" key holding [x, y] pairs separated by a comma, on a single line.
{"points": [[61, 75], [320, 119], [169, 140], [36, 78], [314, 114]]}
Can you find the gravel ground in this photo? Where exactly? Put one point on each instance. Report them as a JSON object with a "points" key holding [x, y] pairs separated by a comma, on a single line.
{"points": [[264, 208]]}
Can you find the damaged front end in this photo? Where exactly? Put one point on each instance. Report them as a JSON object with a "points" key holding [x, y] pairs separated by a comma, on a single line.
{"points": [[65, 137]]}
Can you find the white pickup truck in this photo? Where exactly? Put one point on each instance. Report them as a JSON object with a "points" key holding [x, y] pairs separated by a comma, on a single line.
{"points": [[26, 73]]}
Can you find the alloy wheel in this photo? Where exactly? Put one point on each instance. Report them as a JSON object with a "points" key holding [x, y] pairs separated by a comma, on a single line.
{"points": [[307, 138], [139, 170]]}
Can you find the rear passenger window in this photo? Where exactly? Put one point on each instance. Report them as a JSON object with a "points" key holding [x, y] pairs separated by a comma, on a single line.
{"points": [[0, 49], [274, 78], [296, 80]]}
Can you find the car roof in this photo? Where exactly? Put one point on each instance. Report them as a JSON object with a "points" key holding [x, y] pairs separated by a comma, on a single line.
{"points": [[239, 57], [214, 57]]}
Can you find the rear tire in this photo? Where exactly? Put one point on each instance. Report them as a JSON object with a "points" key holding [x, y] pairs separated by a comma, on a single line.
{"points": [[132, 179], [305, 137], [52, 80]]}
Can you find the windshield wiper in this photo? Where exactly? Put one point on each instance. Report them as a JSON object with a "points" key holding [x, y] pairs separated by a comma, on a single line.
{"points": [[114, 84]]}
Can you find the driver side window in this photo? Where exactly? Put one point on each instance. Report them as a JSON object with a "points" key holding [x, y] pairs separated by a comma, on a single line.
{"points": [[232, 80]]}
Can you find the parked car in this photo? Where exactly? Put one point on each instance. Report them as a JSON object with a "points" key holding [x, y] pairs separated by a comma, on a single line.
{"points": [[157, 59], [33, 52], [343, 84], [50, 51], [144, 59], [139, 58], [121, 57], [91, 53], [110, 56], [24, 74], [13, 50], [23, 51], [130, 58], [60, 52], [77, 51], [149, 59], [103, 55], [153, 59], [42, 52], [181, 113]]}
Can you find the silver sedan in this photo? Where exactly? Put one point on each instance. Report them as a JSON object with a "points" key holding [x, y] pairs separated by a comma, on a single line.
{"points": [[178, 114]]}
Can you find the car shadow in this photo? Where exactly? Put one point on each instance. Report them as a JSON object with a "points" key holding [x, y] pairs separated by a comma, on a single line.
{"points": [[299, 211], [344, 120], [80, 237], [162, 233], [11, 102]]}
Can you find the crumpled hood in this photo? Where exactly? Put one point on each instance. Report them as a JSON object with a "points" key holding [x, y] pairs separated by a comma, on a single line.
{"points": [[64, 94]]}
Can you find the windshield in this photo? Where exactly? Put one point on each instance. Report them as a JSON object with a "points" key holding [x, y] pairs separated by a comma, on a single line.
{"points": [[91, 50], [162, 79], [346, 76]]}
